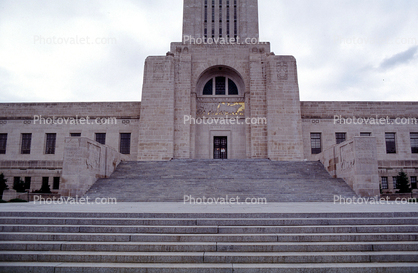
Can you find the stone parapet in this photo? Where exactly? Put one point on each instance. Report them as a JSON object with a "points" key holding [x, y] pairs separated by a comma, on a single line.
{"points": [[85, 161], [355, 161], [70, 109], [360, 109]]}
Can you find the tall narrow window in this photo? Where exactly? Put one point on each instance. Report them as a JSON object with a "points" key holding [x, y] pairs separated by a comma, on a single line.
{"points": [[26, 143], [208, 89], [340, 137], [45, 183], [206, 20], [3, 143], [220, 86], [56, 183], [395, 182], [413, 182], [235, 20], [390, 143], [414, 143], [227, 18], [101, 138], [27, 182], [17, 184], [220, 18], [365, 134], [213, 18], [316, 143], [232, 88], [125, 143], [384, 183], [50, 143]]}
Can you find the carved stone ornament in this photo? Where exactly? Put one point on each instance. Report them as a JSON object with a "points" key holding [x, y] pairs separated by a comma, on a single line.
{"points": [[282, 71], [220, 109]]}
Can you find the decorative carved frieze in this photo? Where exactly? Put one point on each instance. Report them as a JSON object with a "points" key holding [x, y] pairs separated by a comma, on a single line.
{"points": [[205, 109]]}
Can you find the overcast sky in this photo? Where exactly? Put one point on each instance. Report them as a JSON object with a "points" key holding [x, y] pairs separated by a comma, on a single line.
{"points": [[346, 50]]}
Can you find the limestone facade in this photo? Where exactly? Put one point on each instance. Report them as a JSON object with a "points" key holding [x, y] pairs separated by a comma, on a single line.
{"points": [[17, 119], [398, 118], [248, 96]]}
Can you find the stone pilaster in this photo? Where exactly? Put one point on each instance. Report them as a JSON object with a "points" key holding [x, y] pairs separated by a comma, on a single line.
{"points": [[284, 123], [258, 106], [156, 129], [182, 103]]}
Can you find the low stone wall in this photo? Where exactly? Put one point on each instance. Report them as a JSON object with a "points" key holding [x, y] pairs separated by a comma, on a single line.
{"points": [[85, 161], [9, 194], [355, 161]]}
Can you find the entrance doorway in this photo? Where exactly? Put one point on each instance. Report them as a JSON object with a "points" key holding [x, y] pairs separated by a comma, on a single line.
{"points": [[220, 147]]}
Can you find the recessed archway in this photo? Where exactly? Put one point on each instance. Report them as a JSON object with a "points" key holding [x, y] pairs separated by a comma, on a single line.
{"points": [[220, 96], [220, 81]]}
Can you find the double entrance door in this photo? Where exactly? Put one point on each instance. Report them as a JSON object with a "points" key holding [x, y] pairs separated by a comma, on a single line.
{"points": [[220, 147]]}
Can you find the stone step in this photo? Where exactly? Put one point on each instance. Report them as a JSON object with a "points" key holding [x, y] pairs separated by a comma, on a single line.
{"points": [[125, 190], [59, 267], [149, 237], [209, 257], [209, 229], [207, 246], [208, 242], [210, 216], [209, 222], [212, 169], [171, 181]]}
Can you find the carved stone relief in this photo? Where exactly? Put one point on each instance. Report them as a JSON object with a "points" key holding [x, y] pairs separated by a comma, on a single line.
{"points": [[220, 108], [282, 71], [158, 71]]}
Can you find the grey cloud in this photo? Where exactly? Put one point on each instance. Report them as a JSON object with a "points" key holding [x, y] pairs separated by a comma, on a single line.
{"points": [[316, 33], [400, 58]]}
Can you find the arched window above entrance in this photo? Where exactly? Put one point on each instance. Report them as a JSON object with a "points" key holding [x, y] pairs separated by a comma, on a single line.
{"points": [[220, 85], [221, 82]]}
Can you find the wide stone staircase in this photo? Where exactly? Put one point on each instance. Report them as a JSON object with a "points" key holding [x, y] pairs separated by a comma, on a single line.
{"points": [[172, 180], [208, 242]]}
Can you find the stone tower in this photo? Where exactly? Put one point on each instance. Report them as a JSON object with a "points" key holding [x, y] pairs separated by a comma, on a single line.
{"points": [[219, 72], [220, 18]]}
